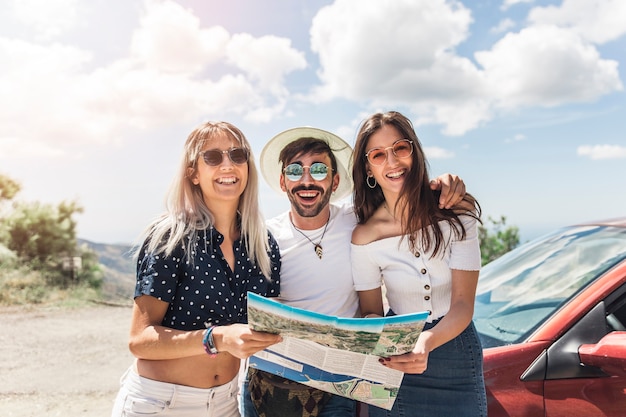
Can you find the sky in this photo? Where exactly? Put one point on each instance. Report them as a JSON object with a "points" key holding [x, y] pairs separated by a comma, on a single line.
{"points": [[523, 99]]}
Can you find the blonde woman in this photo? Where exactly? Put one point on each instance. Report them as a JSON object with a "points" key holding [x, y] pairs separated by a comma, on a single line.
{"points": [[196, 264]]}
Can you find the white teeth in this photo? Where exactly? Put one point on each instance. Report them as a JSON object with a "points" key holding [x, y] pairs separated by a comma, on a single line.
{"points": [[230, 180], [396, 174], [307, 195]]}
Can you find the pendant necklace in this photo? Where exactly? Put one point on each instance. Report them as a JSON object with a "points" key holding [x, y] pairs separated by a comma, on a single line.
{"points": [[319, 251]]}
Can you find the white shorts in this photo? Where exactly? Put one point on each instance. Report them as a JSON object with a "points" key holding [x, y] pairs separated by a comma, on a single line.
{"points": [[139, 396]]}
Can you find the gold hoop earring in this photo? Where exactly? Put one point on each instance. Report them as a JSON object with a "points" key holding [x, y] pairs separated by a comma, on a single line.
{"points": [[367, 180]]}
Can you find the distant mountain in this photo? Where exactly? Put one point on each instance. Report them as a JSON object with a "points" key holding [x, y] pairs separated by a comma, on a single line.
{"points": [[117, 257], [118, 267]]}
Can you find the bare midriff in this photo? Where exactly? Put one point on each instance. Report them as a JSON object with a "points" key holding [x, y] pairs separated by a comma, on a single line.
{"points": [[200, 371]]}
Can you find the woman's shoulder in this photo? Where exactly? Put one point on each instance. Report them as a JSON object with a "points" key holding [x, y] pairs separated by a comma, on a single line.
{"points": [[375, 228], [361, 234]]}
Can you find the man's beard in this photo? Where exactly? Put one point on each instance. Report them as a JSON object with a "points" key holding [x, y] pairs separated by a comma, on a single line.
{"points": [[309, 211]]}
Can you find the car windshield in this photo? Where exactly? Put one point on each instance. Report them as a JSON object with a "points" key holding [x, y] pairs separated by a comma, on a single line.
{"points": [[519, 290]]}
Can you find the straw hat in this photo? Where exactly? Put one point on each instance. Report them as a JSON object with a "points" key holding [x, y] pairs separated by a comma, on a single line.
{"points": [[271, 168]]}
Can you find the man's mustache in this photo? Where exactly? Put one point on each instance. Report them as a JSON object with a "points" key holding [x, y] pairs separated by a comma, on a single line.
{"points": [[307, 188]]}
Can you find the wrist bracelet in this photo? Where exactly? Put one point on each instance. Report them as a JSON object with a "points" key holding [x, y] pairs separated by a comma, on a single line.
{"points": [[208, 343]]}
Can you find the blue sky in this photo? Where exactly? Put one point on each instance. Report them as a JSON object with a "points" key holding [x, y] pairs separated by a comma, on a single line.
{"points": [[523, 99]]}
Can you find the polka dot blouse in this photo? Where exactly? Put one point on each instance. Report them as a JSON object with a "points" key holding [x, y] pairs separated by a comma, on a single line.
{"points": [[205, 291]]}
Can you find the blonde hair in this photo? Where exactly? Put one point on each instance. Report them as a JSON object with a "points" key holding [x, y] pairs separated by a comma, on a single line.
{"points": [[187, 213]]}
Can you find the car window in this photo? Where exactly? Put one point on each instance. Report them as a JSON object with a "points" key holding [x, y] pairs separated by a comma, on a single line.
{"points": [[518, 291], [616, 310]]}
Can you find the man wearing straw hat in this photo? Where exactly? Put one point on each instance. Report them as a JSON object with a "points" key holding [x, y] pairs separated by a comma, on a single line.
{"points": [[311, 166]]}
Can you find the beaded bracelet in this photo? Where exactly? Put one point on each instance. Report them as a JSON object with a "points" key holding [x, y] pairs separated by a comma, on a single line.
{"points": [[208, 343]]}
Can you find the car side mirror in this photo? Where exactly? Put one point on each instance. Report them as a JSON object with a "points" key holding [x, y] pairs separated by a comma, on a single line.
{"points": [[609, 354]]}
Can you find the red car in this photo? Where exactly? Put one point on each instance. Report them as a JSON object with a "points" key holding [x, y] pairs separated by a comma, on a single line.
{"points": [[551, 315]]}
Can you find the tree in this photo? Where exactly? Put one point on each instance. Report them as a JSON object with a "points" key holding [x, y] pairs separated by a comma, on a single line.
{"points": [[41, 236], [8, 188], [40, 232], [500, 241]]}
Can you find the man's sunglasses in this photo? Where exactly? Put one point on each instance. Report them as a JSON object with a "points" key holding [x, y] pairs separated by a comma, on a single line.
{"points": [[214, 157], [318, 171]]}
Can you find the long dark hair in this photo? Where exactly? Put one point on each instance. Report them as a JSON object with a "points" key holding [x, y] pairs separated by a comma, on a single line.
{"points": [[416, 198]]}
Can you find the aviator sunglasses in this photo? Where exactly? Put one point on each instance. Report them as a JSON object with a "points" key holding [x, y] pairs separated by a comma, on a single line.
{"points": [[318, 171], [402, 148], [214, 157]]}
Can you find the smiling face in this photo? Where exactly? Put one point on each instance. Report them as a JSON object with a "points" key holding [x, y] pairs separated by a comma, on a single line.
{"points": [[391, 174], [223, 182], [309, 197]]}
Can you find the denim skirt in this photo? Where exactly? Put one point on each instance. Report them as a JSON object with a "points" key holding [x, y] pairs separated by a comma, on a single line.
{"points": [[452, 385]]}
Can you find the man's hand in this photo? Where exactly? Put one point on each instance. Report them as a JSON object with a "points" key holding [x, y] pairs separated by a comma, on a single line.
{"points": [[452, 190]]}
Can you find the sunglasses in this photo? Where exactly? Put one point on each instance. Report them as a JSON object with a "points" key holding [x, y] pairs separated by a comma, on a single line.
{"points": [[214, 157], [318, 171], [402, 148]]}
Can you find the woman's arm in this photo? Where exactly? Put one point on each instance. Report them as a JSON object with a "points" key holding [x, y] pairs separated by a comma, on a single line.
{"points": [[365, 273], [460, 314], [371, 303], [149, 340]]}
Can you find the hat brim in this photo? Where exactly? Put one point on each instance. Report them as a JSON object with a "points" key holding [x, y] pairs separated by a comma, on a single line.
{"points": [[271, 168]]}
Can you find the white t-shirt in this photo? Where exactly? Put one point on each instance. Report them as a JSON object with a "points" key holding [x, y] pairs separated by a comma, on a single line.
{"points": [[306, 281], [416, 282]]}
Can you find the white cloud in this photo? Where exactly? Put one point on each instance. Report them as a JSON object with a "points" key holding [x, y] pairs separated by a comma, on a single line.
{"points": [[266, 59], [597, 21], [516, 138], [508, 3], [403, 57], [365, 53], [406, 57], [170, 39], [176, 72], [125, 94], [456, 115], [48, 18], [12, 148], [42, 82], [503, 26], [546, 66], [433, 152], [598, 152]]}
